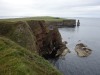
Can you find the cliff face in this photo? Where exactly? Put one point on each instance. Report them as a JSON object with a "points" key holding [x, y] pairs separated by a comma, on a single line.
{"points": [[39, 30], [48, 40], [63, 23], [33, 35], [69, 23], [28, 40]]}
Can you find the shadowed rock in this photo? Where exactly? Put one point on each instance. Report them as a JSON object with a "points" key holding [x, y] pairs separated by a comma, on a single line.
{"points": [[82, 50]]}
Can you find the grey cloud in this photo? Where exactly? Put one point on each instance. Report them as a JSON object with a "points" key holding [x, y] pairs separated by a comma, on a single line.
{"points": [[61, 8]]}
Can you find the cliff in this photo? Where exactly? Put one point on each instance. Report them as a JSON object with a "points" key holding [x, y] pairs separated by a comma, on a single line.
{"points": [[47, 40], [69, 23], [63, 23], [35, 37], [55, 21]]}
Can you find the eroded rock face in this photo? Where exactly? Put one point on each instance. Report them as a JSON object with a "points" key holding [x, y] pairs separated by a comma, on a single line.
{"points": [[63, 23], [40, 31], [35, 36], [69, 23], [82, 50]]}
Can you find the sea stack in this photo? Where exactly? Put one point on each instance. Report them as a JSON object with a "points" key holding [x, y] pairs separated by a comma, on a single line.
{"points": [[78, 23]]}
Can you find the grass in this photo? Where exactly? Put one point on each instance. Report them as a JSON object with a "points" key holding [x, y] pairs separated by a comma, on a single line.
{"points": [[46, 18], [19, 32], [16, 60]]}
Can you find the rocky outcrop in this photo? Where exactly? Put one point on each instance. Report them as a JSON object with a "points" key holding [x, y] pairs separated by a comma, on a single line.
{"points": [[78, 23], [82, 50], [35, 36]]}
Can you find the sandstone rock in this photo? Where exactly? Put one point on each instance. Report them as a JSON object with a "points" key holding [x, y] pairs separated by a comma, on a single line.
{"points": [[82, 50]]}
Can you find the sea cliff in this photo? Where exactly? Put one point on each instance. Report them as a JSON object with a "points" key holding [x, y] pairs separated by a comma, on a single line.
{"points": [[25, 43], [34, 36]]}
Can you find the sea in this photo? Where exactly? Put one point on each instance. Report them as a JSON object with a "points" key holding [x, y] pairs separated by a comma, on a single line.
{"points": [[88, 33]]}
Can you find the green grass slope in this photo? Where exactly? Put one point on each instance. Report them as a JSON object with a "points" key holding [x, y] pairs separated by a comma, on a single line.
{"points": [[16, 60], [19, 32]]}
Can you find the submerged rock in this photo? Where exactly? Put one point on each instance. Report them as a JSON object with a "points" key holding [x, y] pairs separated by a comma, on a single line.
{"points": [[82, 50]]}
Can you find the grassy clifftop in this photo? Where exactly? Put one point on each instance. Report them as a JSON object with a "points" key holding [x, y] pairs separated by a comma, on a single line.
{"points": [[46, 18], [16, 60]]}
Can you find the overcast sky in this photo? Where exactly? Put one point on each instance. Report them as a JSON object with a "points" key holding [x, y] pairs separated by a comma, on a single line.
{"points": [[60, 8]]}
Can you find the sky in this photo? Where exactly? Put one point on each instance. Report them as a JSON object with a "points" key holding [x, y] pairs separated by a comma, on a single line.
{"points": [[58, 8]]}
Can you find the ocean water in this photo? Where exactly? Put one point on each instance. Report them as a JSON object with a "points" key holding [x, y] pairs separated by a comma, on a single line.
{"points": [[89, 33]]}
